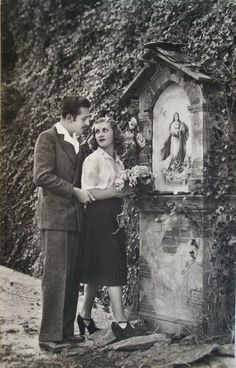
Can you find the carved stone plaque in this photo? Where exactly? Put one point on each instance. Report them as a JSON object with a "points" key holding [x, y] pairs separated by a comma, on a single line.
{"points": [[171, 273]]}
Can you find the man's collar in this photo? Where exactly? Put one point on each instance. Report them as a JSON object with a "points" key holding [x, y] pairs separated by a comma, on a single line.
{"points": [[67, 137], [61, 129]]}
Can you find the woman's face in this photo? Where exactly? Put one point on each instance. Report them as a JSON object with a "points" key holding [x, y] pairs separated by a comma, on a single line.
{"points": [[176, 116], [104, 135]]}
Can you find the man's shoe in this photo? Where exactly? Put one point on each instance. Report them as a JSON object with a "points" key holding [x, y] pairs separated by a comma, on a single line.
{"points": [[74, 339], [123, 333], [54, 347]]}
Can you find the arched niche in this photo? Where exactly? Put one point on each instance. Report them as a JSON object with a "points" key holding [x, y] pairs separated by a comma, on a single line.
{"points": [[170, 91]]}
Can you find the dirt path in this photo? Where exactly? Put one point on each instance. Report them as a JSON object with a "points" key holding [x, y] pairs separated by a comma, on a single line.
{"points": [[20, 311]]}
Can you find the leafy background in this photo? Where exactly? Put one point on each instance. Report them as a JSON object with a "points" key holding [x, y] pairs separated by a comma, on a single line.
{"points": [[53, 48]]}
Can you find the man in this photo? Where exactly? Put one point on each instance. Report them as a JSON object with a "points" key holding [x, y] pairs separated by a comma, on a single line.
{"points": [[57, 172]]}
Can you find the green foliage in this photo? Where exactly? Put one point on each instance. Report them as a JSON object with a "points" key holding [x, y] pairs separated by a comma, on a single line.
{"points": [[219, 184]]}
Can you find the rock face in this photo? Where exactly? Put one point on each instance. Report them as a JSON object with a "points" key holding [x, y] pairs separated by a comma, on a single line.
{"points": [[20, 311]]}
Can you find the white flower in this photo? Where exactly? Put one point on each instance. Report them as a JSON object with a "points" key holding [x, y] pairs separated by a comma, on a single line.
{"points": [[119, 184], [141, 140], [132, 181], [132, 123], [140, 171], [121, 179], [129, 138], [131, 177], [220, 209], [124, 175]]}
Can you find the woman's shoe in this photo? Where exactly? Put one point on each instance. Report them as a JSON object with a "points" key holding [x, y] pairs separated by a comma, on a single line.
{"points": [[82, 326], [122, 333]]}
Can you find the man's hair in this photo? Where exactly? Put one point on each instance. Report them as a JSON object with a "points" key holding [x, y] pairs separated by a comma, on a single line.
{"points": [[72, 104], [117, 135]]}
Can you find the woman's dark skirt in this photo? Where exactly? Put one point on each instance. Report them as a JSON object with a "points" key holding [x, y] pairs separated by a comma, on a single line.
{"points": [[103, 257]]}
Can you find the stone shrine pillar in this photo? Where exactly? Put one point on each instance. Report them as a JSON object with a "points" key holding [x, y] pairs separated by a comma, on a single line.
{"points": [[173, 251]]}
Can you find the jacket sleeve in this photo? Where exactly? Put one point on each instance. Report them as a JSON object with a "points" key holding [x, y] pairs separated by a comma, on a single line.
{"points": [[44, 167]]}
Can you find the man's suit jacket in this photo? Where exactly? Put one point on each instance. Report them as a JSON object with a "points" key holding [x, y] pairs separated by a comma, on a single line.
{"points": [[57, 170]]}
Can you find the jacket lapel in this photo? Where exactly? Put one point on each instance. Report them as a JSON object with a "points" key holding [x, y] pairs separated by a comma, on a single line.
{"points": [[78, 170], [68, 149]]}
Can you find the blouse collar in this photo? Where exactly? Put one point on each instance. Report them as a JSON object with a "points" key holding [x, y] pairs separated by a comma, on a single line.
{"points": [[106, 155]]}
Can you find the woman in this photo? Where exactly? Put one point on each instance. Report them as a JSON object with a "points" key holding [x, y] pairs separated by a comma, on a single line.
{"points": [[174, 150], [104, 253]]}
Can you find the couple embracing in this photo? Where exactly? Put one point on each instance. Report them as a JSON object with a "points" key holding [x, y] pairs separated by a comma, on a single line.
{"points": [[77, 209]]}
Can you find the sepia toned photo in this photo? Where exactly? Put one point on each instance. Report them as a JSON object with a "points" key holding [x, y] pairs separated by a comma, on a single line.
{"points": [[118, 183]]}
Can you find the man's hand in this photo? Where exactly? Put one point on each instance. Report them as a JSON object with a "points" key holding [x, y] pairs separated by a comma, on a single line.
{"points": [[84, 196]]}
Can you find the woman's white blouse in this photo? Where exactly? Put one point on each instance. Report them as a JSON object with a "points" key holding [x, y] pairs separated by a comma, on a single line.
{"points": [[100, 170]]}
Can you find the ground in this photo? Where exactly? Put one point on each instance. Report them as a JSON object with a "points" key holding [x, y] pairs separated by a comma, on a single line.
{"points": [[20, 311]]}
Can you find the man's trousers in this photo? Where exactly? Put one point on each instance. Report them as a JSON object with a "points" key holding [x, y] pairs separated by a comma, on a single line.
{"points": [[60, 284]]}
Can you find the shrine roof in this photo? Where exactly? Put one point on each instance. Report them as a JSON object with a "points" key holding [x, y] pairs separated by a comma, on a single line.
{"points": [[169, 53]]}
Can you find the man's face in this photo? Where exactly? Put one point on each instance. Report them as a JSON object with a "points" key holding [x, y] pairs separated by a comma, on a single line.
{"points": [[81, 123]]}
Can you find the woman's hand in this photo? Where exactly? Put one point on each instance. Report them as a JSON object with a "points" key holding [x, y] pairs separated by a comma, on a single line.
{"points": [[118, 193], [84, 196]]}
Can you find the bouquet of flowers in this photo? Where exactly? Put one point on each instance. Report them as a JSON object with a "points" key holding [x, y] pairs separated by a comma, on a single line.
{"points": [[138, 177]]}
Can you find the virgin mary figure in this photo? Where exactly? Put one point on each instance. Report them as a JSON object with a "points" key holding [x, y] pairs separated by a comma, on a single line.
{"points": [[177, 162]]}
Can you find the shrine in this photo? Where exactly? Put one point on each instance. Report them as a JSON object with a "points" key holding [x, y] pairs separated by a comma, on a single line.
{"points": [[174, 258]]}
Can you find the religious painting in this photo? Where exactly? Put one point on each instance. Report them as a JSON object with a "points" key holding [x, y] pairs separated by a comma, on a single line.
{"points": [[177, 161], [172, 140]]}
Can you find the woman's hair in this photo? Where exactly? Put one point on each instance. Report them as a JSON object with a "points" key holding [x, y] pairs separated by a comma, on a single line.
{"points": [[117, 135], [176, 113], [72, 104]]}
